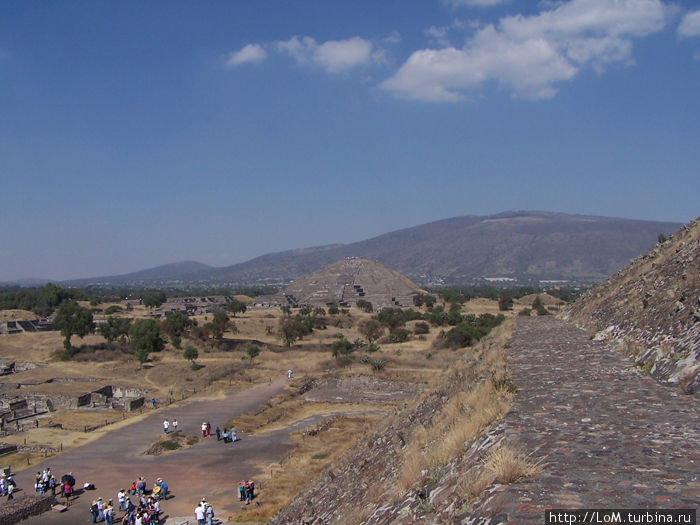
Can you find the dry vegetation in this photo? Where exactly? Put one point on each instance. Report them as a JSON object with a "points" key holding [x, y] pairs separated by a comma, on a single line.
{"points": [[227, 367], [463, 416]]}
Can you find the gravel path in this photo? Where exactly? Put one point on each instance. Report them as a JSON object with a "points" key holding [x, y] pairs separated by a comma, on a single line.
{"points": [[611, 436]]}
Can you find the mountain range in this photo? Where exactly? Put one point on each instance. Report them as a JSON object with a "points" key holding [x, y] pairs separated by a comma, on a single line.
{"points": [[526, 246]]}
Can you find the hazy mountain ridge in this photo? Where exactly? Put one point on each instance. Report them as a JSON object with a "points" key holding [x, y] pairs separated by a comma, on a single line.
{"points": [[517, 244]]}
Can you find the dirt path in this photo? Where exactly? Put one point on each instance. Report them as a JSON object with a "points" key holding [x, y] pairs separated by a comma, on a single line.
{"points": [[612, 437], [209, 469]]}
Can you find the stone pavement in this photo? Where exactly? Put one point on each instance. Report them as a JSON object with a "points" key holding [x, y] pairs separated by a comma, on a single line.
{"points": [[610, 436]]}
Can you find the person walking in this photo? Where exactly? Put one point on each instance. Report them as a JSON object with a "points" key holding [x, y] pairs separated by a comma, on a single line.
{"points": [[174, 425], [208, 428], [166, 424], [204, 429], [218, 434], [209, 514]]}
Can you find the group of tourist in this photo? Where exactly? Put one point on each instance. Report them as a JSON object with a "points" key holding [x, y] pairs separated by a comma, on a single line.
{"points": [[204, 513], [139, 505], [228, 437], [45, 481], [246, 491], [167, 425], [7, 486]]}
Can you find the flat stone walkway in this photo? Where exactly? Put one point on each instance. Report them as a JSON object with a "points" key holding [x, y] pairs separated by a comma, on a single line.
{"points": [[610, 436]]}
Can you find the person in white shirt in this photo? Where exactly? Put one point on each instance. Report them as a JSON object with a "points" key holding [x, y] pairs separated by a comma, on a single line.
{"points": [[199, 515], [121, 499], [166, 424]]}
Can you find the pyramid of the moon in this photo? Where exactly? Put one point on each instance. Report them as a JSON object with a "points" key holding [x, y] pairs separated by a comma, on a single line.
{"points": [[344, 283]]}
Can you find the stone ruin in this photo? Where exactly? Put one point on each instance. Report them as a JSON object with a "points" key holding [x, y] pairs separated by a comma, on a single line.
{"points": [[22, 402], [344, 283]]}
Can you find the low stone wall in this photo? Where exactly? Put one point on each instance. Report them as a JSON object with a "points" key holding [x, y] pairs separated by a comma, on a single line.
{"points": [[21, 508]]}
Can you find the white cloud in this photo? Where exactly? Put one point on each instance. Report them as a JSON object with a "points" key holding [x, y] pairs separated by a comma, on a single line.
{"points": [[529, 55], [249, 54], [690, 25], [333, 56]]}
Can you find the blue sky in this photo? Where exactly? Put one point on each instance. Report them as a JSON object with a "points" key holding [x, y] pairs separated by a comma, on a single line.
{"points": [[134, 134]]}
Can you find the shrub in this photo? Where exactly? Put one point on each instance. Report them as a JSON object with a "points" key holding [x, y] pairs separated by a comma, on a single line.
{"points": [[525, 312], [421, 328], [170, 445], [399, 335], [378, 364]]}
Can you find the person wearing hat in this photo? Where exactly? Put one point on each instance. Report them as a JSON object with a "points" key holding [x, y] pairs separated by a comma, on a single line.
{"points": [[94, 511], [108, 513], [121, 499], [163, 489]]}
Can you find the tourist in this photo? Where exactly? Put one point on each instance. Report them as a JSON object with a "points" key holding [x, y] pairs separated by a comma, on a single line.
{"points": [[94, 511], [121, 499], [10, 490], [233, 435], [218, 434], [225, 436], [166, 424], [208, 429], [174, 425], [109, 513], [3, 485], [200, 515], [163, 490], [204, 429], [209, 514], [241, 490], [289, 374], [153, 402], [52, 485]]}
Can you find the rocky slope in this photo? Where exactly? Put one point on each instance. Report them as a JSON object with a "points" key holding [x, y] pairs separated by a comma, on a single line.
{"points": [[651, 309]]}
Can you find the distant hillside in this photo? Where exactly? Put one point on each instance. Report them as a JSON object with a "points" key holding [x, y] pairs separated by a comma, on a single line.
{"points": [[520, 245], [186, 271], [523, 245], [651, 308]]}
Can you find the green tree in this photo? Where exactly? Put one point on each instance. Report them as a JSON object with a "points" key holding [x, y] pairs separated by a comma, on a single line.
{"points": [[190, 353], [153, 299], [236, 307], [51, 297], [253, 352], [144, 338], [365, 306], [341, 347], [371, 329], [505, 302], [115, 329], [73, 319]]}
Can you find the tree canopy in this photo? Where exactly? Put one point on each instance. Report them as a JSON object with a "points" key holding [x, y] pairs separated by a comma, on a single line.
{"points": [[73, 319]]}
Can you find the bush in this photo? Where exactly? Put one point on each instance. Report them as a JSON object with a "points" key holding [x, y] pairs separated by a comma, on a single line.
{"points": [[399, 335], [113, 309], [378, 364], [170, 445], [421, 328], [525, 312]]}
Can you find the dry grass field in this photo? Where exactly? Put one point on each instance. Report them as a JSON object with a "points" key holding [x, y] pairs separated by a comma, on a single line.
{"points": [[226, 366]]}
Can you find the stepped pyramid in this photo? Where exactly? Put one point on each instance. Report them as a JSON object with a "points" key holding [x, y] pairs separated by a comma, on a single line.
{"points": [[345, 282]]}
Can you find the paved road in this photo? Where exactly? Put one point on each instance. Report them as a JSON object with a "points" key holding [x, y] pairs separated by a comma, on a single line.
{"points": [[207, 469], [611, 437]]}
